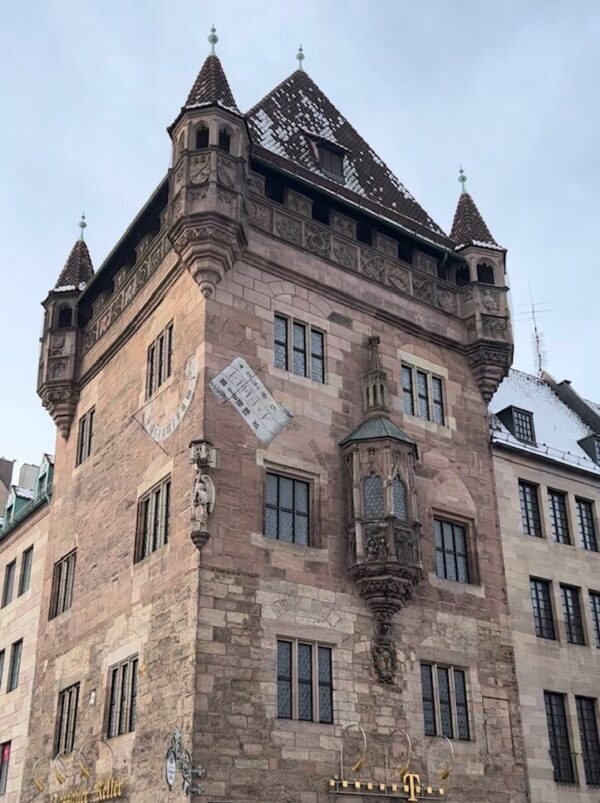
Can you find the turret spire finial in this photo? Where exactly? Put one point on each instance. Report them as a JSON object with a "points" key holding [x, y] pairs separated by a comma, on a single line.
{"points": [[213, 39], [463, 179], [82, 226], [300, 57]]}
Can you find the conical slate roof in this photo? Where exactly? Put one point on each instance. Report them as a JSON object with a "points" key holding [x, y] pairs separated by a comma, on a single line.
{"points": [[297, 115], [375, 428], [78, 269], [469, 228], [211, 87]]}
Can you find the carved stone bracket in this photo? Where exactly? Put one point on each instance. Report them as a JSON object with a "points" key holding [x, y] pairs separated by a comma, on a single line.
{"points": [[490, 363]]}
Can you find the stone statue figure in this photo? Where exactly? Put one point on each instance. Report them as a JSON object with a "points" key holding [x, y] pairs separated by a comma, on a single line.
{"points": [[203, 501]]}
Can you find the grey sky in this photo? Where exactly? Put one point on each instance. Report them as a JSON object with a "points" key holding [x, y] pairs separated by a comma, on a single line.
{"points": [[507, 88]]}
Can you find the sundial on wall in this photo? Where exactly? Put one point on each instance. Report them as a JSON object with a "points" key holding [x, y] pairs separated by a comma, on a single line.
{"points": [[163, 414]]}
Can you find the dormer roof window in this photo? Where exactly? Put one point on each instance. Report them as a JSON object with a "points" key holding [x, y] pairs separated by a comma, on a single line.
{"points": [[519, 422], [331, 160], [591, 445]]}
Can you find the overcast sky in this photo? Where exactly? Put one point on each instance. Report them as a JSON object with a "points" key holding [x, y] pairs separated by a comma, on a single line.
{"points": [[507, 88]]}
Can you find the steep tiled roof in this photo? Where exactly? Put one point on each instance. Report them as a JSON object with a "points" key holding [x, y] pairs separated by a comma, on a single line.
{"points": [[296, 114], [78, 269], [469, 227], [375, 428], [211, 87]]}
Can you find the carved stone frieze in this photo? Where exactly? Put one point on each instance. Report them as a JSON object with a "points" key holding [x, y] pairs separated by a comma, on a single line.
{"points": [[400, 279], [298, 203], [256, 183], [288, 228], [226, 172], [385, 245], [446, 299], [345, 225], [423, 289], [260, 215], [57, 345], [490, 364], [372, 266], [344, 254], [494, 327], [317, 240], [200, 168], [489, 300], [425, 263]]}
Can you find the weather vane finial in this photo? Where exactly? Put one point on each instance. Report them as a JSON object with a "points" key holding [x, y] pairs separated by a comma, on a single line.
{"points": [[213, 39], [462, 178], [300, 57], [82, 226]]}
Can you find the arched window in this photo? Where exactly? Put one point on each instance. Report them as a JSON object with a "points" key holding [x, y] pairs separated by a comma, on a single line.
{"points": [[224, 140], [485, 273], [399, 499], [462, 276], [64, 317], [202, 137], [373, 503]]}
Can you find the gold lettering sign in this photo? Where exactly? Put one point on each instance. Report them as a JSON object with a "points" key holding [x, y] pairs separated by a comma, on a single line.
{"points": [[111, 789]]}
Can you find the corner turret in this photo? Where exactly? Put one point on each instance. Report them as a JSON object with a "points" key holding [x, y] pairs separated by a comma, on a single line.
{"points": [[60, 340], [208, 178], [485, 301]]}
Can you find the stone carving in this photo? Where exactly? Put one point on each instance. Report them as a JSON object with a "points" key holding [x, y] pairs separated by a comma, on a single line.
{"points": [[299, 203], [260, 215], [177, 210], [494, 327], [256, 183], [179, 174], [344, 225], [488, 301], [57, 345], [226, 172], [446, 299], [344, 254], [288, 228], [423, 289], [203, 501], [316, 240], [385, 244], [375, 543], [372, 266], [226, 198], [385, 660], [200, 169], [199, 195], [400, 279], [58, 368], [426, 263]]}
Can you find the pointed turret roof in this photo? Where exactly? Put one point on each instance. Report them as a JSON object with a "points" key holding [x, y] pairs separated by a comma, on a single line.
{"points": [[290, 122], [211, 87], [469, 228], [78, 269]]}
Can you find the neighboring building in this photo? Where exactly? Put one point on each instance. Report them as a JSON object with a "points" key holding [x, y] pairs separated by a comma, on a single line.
{"points": [[548, 486], [327, 553], [6, 470], [23, 537]]}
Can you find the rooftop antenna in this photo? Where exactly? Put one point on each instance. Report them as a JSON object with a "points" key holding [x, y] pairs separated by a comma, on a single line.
{"points": [[213, 39], [462, 179], [533, 312], [300, 56], [82, 226]]}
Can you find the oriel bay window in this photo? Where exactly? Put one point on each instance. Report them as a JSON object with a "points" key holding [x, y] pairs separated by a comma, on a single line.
{"points": [[159, 361], [445, 704], [299, 348], [287, 510], [66, 719], [122, 697], [153, 520], [304, 681], [422, 394]]}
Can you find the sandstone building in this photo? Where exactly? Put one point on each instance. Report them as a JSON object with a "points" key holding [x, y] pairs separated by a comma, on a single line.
{"points": [[23, 535], [274, 521], [547, 466]]}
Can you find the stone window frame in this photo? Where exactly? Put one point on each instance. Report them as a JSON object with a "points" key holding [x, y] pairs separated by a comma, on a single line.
{"points": [[594, 601], [587, 721], [85, 436], [14, 665], [558, 510], [8, 586], [412, 390], [545, 623], [315, 682], [63, 581], [4, 764], [25, 574], [307, 351], [433, 369], [159, 494], [587, 525], [524, 511], [434, 667], [573, 616], [551, 699], [159, 361], [2, 663], [273, 464], [124, 707], [469, 525], [66, 726]]}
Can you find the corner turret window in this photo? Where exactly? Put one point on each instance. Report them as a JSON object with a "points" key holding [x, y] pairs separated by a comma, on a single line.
{"points": [[462, 276], [399, 499], [331, 161], [224, 140], [485, 273], [64, 317], [201, 137], [373, 502]]}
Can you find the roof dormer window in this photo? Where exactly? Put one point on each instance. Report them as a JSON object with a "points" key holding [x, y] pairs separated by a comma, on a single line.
{"points": [[591, 445], [519, 422], [331, 160]]}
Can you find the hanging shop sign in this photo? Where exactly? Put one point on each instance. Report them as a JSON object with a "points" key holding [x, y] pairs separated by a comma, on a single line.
{"points": [[400, 781], [179, 759]]}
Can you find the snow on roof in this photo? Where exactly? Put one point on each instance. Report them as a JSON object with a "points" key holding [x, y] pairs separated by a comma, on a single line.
{"points": [[557, 428], [24, 493]]}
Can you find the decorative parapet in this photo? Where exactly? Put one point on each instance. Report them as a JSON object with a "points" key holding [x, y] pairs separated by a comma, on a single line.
{"points": [[128, 283]]}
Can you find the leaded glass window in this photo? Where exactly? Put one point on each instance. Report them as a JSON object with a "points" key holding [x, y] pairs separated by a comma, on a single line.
{"points": [[159, 361], [530, 509], [407, 390], [400, 499], [373, 498], [590, 743], [304, 681], [281, 343], [558, 516], [445, 702], [287, 509], [422, 394], [451, 557], [437, 399], [523, 425], [595, 606], [542, 608], [572, 613], [300, 348], [558, 736], [586, 524]]}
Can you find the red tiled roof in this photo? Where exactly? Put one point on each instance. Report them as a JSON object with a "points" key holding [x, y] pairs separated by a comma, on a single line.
{"points": [[469, 227], [211, 87], [296, 113], [78, 269]]}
